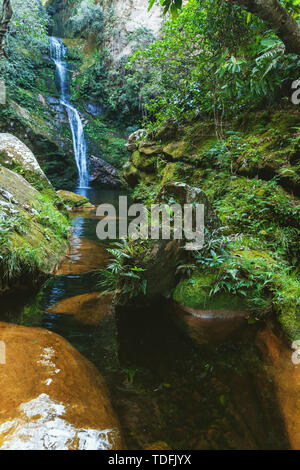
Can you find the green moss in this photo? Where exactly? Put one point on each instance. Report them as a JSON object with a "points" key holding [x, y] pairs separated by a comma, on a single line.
{"points": [[143, 162], [195, 293], [177, 150], [33, 233], [72, 199], [287, 304], [168, 174]]}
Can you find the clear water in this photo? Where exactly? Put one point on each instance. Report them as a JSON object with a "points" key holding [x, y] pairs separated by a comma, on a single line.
{"points": [[164, 385], [58, 52]]}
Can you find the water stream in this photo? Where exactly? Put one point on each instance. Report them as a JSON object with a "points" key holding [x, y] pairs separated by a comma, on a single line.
{"points": [[174, 381], [189, 384], [58, 52]]}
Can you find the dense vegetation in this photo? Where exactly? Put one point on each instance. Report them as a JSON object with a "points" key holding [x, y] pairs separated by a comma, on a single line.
{"points": [[213, 92], [216, 107]]}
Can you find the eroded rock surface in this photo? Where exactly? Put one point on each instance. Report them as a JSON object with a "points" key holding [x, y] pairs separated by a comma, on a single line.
{"points": [[53, 397], [104, 173]]}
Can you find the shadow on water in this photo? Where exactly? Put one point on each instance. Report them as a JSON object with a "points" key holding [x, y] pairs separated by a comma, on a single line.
{"points": [[165, 384]]}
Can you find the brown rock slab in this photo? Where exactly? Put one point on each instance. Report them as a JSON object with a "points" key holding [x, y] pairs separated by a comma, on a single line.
{"points": [[51, 396], [209, 326], [84, 256], [87, 308]]}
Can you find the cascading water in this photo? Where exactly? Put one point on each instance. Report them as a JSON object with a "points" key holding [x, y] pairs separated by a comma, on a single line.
{"points": [[58, 52]]}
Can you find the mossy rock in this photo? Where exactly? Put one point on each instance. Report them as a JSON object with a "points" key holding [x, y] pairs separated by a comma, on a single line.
{"points": [[177, 150], [150, 150], [287, 305], [34, 233], [131, 174], [194, 293], [18, 157], [143, 162], [73, 200]]}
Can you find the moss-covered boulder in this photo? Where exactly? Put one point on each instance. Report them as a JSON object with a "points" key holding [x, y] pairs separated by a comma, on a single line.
{"points": [[194, 296], [143, 161], [287, 304], [33, 233], [131, 174], [176, 150], [182, 193], [18, 157], [73, 200]]}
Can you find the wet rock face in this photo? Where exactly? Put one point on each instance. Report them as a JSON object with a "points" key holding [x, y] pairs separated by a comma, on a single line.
{"points": [[211, 327], [286, 378], [93, 109], [53, 397], [103, 173]]}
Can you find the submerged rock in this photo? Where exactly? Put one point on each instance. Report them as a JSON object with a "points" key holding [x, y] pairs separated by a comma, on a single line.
{"points": [[84, 256], [211, 327], [88, 308], [160, 445], [53, 398]]}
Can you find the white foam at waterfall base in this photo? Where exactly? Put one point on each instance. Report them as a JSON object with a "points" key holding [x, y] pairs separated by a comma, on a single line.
{"points": [[58, 54]]}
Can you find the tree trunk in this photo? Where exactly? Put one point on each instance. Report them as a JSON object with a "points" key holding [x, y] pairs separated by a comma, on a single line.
{"points": [[5, 18], [278, 19]]}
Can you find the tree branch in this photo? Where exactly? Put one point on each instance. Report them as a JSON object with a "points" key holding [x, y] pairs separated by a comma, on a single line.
{"points": [[6, 16], [274, 15]]}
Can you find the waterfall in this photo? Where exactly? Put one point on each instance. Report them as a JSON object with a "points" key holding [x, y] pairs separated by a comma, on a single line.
{"points": [[58, 52]]}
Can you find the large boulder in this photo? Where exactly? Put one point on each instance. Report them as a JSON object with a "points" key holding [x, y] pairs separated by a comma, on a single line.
{"points": [[160, 259], [134, 139], [52, 398], [33, 235], [104, 173], [182, 193], [18, 157]]}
